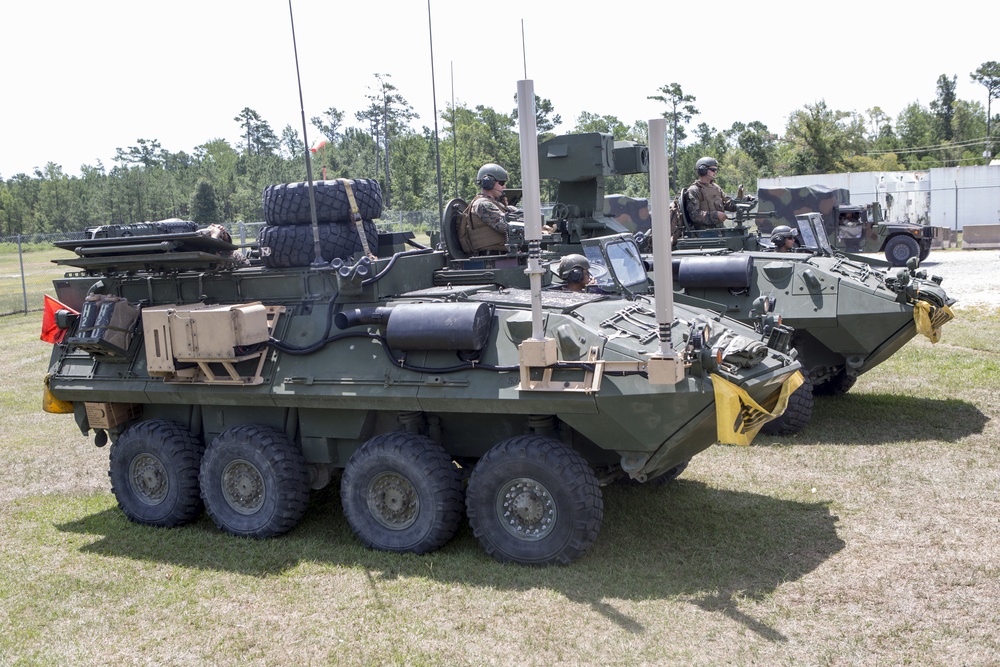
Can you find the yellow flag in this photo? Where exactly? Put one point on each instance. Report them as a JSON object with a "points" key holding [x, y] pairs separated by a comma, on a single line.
{"points": [[930, 319], [738, 417]]}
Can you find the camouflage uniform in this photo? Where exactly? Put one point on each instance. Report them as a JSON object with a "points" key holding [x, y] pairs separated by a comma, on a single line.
{"points": [[489, 224], [702, 200]]}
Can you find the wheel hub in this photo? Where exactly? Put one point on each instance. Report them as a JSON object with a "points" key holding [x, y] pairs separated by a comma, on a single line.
{"points": [[243, 486], [148, 479], [393, 501], [526, 509]]}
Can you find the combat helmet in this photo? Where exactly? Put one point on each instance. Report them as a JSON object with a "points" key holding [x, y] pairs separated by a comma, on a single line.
{"points": [[780, 234], [489, 174], [572, 267], [704, 163]]}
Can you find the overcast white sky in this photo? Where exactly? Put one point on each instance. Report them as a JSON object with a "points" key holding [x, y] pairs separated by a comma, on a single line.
{"points": [[80, 79]]}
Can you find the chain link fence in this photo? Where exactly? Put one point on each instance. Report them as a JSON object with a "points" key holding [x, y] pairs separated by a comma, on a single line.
{"points": [[27, 261]]}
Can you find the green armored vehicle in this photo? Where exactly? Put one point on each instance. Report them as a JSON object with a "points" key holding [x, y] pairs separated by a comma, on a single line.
{"points": [[239, 387], [848, 313]]}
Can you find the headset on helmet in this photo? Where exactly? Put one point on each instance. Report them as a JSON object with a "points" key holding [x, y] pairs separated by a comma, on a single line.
{"points": [[572, 267], [489, 174], [704, 163], [780, 234]]}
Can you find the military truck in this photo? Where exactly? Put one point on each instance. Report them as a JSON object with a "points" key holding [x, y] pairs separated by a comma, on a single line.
{"points": [[434, 392], [848, 313], [849, 227]]}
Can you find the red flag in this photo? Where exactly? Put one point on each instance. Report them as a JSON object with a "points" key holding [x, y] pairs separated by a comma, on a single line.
{"points": [[50, 332]]}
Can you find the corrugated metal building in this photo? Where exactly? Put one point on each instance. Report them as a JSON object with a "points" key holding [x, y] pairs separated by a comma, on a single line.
{"points": [[952, 197]]}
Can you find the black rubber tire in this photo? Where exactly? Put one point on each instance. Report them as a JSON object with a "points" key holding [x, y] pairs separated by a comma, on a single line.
{"points": [[838, 385], [287, 247], [925, 251], [402, 492], [254, 482], [154, 473], [288, 203], [796, 415], [900, 248], [532, 500]]}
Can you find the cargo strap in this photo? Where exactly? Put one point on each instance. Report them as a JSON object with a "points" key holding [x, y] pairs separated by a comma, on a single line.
{"points": [[356, 217]]}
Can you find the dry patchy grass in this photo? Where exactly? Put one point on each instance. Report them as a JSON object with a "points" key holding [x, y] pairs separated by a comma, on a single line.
{"points": [[868, 539]]}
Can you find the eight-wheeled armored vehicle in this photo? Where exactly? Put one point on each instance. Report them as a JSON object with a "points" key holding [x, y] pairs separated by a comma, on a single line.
{"points": [[849, 313], [238, 388]]}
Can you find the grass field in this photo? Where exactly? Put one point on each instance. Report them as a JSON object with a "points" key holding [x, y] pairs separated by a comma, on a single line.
{"points": [[872, 538]]}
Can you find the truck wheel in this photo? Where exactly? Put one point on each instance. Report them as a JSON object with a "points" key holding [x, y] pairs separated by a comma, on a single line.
{"points": [[900, 248], [402, 492], [533, 500], [288, 203], [154, 473], [838, 385], [796, 415], [286, 247], [925, 250], [254, 482]]}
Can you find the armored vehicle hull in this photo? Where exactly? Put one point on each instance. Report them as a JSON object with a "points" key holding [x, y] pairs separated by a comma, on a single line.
{"points": [[239, 389]]}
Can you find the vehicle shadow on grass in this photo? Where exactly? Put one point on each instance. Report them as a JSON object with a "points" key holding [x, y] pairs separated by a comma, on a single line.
{"points": [[876, 419], [686, 541]]}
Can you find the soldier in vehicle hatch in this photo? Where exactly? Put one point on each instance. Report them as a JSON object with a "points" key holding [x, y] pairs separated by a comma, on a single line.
{"points": [[490, 212], [705, 203], [574, 271], [783, 238]]}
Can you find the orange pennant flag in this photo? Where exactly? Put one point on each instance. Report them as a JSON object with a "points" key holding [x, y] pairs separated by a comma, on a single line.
{"points": [[51, 333]]}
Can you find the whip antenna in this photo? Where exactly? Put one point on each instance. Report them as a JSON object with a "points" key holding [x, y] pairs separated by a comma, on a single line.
{"points": [[317, 251]]}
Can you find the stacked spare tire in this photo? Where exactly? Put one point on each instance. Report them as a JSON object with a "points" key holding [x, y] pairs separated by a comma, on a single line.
{"points": [[287, 239]]}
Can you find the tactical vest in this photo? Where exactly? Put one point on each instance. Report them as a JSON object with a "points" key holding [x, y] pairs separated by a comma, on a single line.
{"points": [[482, 236]]}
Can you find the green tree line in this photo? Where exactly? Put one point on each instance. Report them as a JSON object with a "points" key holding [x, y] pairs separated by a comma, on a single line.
{"points": [[221, 182]]}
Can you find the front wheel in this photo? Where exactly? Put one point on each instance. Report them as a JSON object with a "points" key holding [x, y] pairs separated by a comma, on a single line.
{"points": [[254, 482], [798, 413], [402, 492], [900, 248], [532, 500]]}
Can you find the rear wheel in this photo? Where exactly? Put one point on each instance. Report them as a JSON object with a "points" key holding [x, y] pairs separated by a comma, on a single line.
{"points": [[154, 473], [533, 500], [798, 413], [402, 492], [254, 482], [901, 248]]}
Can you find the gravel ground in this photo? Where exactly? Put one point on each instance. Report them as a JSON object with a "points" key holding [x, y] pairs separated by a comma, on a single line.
{"points": [[970, 276]]}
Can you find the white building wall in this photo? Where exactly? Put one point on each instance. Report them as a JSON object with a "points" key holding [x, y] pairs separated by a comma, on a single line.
{"points": [[965, 196]]}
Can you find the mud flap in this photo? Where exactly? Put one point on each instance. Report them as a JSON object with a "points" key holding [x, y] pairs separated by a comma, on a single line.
{"points": [[738, 417], [929, 319]]}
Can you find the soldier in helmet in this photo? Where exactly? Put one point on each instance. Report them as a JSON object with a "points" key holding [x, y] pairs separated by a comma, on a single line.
{"points": [[490, 212], [574, 271], [783, 238], [705, 203]]}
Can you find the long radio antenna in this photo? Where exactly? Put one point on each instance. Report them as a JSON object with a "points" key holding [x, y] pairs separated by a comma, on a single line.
{"points": [[524, 52], [317, 250], [437, 145]]}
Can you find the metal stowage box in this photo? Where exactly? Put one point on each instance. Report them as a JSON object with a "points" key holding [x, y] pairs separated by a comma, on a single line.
{"points": [[197, 332]]}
